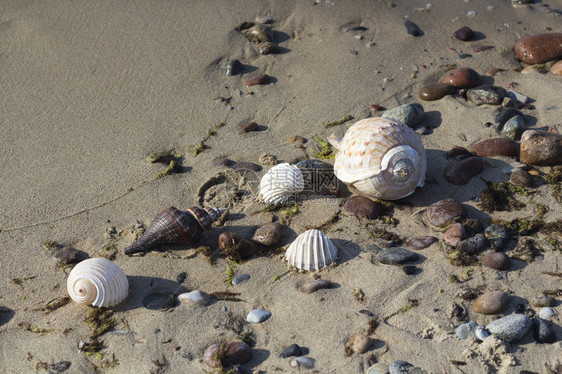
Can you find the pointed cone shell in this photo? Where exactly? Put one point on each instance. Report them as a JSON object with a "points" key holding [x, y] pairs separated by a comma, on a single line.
{"points": [[381, 157], [175, 226], [311, 250], [281, 182], [97, 282]]}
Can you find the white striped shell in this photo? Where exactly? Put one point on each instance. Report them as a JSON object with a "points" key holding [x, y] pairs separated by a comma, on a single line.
{"points": [[380, 157], [311, 250], [281, 182], [97, 282]]}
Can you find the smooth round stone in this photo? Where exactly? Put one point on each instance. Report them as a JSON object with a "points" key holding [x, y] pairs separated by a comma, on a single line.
{"points": [[543, 301], [303, 362], [543, 331], [493, 302], [497, 235], [409, 269], [510, 328], [315, 285], [514, 128], [454, 234], [412, 28], [378, 368], [496, 147], [290, 351], [240, 278], [464, 33], [359, 343], [497, 260], [541, 148], [258, 316], [420, 242], [476, 244], [408, 114], [506, 114], [546, 313], [443, 212], [268, 234], [361, 206], [195, 297], [396, 256], [556, 69], [517, 96], [491, 95], [463, 331], [436, 91], [403, 367], [541, 48], [521, 178], [462, 78], [461, 172]]}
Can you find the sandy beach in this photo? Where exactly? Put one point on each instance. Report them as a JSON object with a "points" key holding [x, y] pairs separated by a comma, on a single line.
{"points": [[89, 90]]}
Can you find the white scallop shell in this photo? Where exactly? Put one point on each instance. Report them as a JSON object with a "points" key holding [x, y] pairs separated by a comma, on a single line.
{"points": [[281, 182], [311, 250], [97, 281], [380, 157]]}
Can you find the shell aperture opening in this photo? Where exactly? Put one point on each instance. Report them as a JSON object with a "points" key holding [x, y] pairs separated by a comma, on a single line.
{"points": [[400, 163]]}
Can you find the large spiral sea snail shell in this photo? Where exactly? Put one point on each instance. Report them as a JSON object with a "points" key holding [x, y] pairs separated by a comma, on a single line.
{"points": [[380, 157], [97, 282]]}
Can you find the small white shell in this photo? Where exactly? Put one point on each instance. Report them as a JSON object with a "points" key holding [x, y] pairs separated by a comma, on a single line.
{"points": [[97, 281], [281, 182], [311, 250], [380, 157]]}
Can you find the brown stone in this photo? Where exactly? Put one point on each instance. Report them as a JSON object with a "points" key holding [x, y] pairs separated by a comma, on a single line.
{"points": [[420, 242], [454, 234], [556, 69], [248, 127], [541, 148], [237, 247], [443, 212], [462, 171], [464, 33], [491, 303], [496, 147], [521, 178], [497, 260], [231, 353], [462, 78], [361, 206], [315, 285], [260, 79], [268, 234], [358, 343], [540, 48], [436, 91]]}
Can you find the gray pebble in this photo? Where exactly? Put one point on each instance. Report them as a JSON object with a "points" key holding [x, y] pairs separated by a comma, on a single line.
{"points": [[504, 115], [517, 96], [514, 128], [474, 245], [481, 333], [303, 362], [196, 297], [497, 235], [403, 367], [408, 114], [240, 278], [258, 316], [378, 368], [290, 351], [510, 328], [486, 95], [395, 256], [466, 329], [543, 331]]}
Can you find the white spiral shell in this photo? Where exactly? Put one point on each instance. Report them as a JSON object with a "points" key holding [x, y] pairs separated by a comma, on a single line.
{"points": [[97, 282], [311, 250], [380, 157], [281, 182]]}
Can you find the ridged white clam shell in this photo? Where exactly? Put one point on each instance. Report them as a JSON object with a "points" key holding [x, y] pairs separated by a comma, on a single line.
{"points": [[97, 282], [311, 250], [380, 157], [281, 182]]}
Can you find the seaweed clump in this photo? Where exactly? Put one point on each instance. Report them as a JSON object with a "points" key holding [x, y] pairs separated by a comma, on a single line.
{"points": [[324, 151], [500, 197]]}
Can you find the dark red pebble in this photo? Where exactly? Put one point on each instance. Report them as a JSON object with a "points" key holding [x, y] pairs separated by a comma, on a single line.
{"points": [[462, 78], [464, 33], [260, 79], [540, 48], [461, 172], [496, 147]]}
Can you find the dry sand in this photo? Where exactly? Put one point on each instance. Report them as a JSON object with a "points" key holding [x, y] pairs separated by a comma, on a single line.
{"points": [[89, 89]]}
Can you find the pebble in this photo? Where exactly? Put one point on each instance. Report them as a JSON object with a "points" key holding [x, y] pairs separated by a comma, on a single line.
{"points": [[359, 343], [476, 244], [497, 235], [496, 147], [497, 260], [268, 234], [443, 212], [540, 48], [543, 301], [409, 269], [466, 329], [258, 316], [454, 234], [265, 19], [69, 255], [181, 277], [436, 91], [408, 114], [543, 331], [403, 367], [362, 207], [556, 69], [237, 247], [232, 67], [462, 171], [420, 242], [59, 367], [514, 128], [378, 368], [517, 96], [412, 28], [195, 297], [315, 285], [504, 115], [248, 127], [303, 362], [481, 333], [541, 148], [260, 79], [395, 256], [240, 278], [521, 178], [290, 351], [493, 302], [464, 33], [546, 313], [510, 328], [231, 353], [462, 78], [486, 95]]}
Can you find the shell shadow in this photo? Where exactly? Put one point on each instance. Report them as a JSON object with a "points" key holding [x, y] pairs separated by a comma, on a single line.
{"points": [[6, 314], [142, 286], [430, 120], [347, 250], [258, 357], [478, 36], [280, 36]]}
